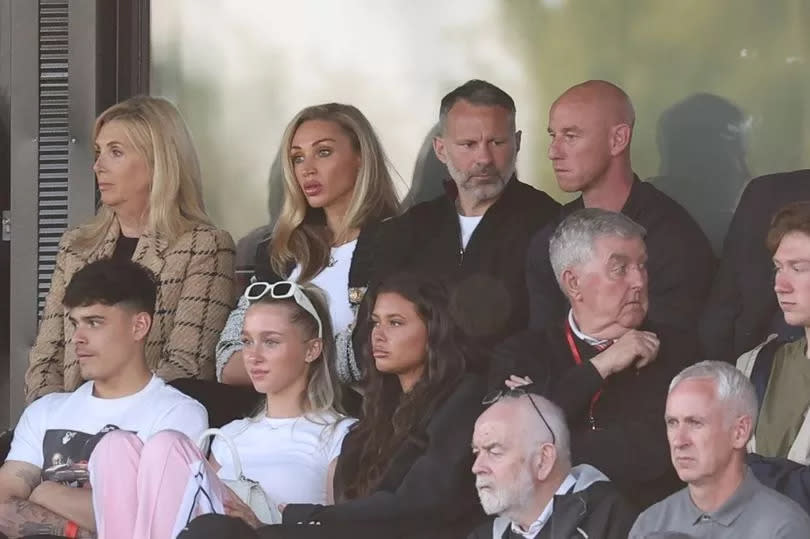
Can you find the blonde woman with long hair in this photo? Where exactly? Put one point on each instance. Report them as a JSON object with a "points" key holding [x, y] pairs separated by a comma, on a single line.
{"points": [[152, 212], [337, 189]]}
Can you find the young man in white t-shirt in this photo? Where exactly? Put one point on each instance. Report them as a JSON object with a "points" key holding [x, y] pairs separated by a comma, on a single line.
{"points": [[110, 304]]}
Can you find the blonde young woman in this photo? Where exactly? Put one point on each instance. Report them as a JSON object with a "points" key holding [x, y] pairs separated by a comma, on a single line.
{"points": [[152, 212], [337, 189]]}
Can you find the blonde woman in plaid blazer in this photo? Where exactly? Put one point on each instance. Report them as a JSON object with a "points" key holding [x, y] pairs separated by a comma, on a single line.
{"points": [[152, 212]]}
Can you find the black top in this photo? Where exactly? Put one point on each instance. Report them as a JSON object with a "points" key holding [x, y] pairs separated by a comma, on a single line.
{"points": [[428, 490], [629, 444], [125, 247], [742, 307], [680, 262], [488, 276]]}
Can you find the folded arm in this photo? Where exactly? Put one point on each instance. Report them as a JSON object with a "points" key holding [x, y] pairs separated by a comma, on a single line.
{"points": [[21, 516], [74, 504]]}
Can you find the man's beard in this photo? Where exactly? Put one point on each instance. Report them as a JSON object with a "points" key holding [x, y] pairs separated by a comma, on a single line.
{"points": [[481, 191], [508, 499]]}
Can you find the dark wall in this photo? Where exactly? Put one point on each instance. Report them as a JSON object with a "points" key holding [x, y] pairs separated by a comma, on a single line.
{"points": [[5, 199], [123, 50]]}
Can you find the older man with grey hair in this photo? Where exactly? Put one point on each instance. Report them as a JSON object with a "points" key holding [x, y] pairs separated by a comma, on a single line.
{"points": [[603, 363], [711, 412], [524, 476]]}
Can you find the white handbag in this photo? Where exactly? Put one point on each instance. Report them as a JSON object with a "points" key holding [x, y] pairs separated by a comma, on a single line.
{"points": [[248, 490]]}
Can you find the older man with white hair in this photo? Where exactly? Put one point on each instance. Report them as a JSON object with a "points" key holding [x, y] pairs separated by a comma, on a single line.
{"points": [[711, 412], [524, 475], [604, 364]]}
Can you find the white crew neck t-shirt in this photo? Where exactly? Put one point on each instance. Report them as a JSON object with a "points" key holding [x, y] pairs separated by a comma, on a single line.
{"points": [[334, 280], [59, 431], [468, 226], [288, 457]]}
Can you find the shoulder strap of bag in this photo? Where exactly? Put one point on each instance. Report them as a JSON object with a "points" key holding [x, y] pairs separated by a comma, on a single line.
{"points": [[217, 433], [761, 371]]}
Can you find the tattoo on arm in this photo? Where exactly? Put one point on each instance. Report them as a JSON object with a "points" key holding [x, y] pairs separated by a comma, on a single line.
{"points": [[35, 528], [19, 518], [31, 477]]}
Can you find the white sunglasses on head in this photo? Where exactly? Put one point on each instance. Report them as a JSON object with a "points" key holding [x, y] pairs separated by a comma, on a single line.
{"points": [[284, 290]]}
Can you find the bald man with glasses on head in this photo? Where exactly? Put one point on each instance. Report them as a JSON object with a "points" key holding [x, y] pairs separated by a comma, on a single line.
{"points": [[524, 476]]}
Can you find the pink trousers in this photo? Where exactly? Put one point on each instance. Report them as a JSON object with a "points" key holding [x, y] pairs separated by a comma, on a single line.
{"points": [[151, 490]]}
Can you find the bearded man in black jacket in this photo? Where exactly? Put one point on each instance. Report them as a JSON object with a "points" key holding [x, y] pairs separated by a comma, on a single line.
{"points": [[524, 475], [603, 363], [476, 235]]}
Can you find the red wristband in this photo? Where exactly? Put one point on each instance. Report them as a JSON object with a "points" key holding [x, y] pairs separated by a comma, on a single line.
{"points": [[71, 529]]}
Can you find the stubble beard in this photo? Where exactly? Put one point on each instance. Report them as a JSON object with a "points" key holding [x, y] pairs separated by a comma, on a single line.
{"points": [[481, 192]]}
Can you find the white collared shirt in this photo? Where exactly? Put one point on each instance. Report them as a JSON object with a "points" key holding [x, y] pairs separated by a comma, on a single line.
{"points": [[593, 341], [536, 526]]}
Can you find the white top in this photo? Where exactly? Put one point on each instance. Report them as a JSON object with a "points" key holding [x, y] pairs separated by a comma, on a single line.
{"points": [[59, 431], [334, 280], [288, 457], [468, 226]]}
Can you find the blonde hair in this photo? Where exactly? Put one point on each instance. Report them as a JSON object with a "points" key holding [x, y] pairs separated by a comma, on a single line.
{"points": [[299, 236], [323, 393], [159, 135]]}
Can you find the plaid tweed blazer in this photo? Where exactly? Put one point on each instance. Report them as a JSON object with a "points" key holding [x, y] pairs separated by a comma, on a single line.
{"points": [[196, 291]]}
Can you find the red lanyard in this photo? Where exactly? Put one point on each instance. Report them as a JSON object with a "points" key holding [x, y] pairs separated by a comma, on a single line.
{"points": [[578, 360]]}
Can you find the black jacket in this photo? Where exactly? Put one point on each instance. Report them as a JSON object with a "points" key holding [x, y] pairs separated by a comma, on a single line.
{"points": [[488, 277], [597, 510], [428, 490], [742, 308], [629, 444], [680, 262]]}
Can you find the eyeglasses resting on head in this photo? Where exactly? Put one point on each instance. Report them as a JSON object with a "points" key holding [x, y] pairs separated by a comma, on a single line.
{"points": [[515, 393]]}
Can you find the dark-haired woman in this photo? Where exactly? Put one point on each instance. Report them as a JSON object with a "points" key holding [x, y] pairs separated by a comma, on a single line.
{"points": [[404, 469]]}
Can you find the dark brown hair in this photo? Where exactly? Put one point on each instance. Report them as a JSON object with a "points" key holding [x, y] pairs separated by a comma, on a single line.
{"points": [[113, 281], [391, 417], [477, 92]]}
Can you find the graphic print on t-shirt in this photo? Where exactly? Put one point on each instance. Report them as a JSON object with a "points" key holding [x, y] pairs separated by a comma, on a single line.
{"points": [[66, 454]]}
